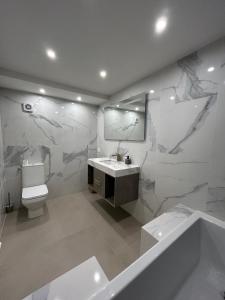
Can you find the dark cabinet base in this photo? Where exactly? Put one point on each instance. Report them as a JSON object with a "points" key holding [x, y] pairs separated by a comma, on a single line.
{"points": [[116, 191]]}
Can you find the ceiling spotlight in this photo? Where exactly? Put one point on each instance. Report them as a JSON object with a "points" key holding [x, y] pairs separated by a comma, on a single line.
{"points": [[117, 105], [172, 98], [79, 98], [152, 91], [56, 112], [103, 73], [161, 24], [42, 91], [211, 69], [72, 103], [62, 107], [136, 108], [51, 54]]}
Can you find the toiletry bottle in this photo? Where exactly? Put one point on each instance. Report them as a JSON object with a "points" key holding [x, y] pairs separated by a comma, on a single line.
{"points": [[127, 160]]}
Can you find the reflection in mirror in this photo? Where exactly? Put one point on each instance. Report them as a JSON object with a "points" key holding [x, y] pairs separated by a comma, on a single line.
{"points": [[125, 120]]}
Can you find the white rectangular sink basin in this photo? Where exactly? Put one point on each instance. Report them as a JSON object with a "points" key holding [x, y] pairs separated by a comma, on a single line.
{"points": [[112, 167], [112, 163], [188, 264]]}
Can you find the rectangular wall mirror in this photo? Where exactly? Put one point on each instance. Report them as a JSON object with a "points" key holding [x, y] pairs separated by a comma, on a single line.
{"points": [[125, 120]]}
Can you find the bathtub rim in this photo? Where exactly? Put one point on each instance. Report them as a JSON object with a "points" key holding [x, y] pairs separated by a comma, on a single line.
{"points": [[123, 279]]}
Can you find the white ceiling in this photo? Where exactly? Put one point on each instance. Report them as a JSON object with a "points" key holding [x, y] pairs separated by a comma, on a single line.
{"points": [[21, 82], [90, 35]]}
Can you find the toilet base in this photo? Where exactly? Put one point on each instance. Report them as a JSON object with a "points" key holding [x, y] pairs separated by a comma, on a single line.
{"points": [[35, 206], [34, 213]]}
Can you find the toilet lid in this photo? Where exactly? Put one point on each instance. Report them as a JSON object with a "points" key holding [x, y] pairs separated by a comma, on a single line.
{"points": [[34, 191]]}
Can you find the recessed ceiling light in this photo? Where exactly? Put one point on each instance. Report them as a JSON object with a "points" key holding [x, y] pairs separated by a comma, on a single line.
{"points": [[136, 108], [103, 73], [51, 53], [79, 98], [211, 69], [172, 98], [161, 24], [117, 105], [42, 91], [56, 112], [62, 107], [72, 103], [152, 91]]}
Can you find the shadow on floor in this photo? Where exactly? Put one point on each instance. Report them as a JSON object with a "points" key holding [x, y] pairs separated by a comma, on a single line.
{"points": [[24, 223], [108, 212]]}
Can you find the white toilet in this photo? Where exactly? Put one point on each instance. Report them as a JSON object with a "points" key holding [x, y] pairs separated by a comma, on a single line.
{"points": [[34, 189]]}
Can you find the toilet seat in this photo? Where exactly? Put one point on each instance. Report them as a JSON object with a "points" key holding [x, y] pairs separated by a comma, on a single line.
{"points": [[32, 192]]}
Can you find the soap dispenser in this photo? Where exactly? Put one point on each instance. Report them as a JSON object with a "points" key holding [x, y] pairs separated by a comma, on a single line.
{"points": [[127, 160]]}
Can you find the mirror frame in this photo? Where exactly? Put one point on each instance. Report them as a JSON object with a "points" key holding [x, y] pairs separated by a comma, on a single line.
{"points": [[130, 99]]}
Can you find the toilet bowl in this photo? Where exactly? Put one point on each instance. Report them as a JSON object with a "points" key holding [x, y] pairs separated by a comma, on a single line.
{"points": [[34, 189], [33, 198]]}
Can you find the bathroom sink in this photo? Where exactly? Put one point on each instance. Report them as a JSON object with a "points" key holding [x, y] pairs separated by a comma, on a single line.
{"points": [[114, 163], [109, 161], [187, 264], [113, 167]]}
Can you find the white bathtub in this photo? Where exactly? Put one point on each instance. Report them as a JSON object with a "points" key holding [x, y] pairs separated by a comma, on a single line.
{"points": [[189, 264]]}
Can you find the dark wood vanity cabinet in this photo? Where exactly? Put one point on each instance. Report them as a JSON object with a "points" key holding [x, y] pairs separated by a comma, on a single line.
{"points": [[115, 190], [99, 182]]}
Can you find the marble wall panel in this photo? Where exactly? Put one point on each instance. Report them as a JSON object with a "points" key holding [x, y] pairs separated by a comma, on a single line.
{"points": [[183, 157], [2, 180], [59, 133]]}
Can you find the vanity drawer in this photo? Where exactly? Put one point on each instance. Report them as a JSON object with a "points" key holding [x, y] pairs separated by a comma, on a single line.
{"points": [[99, 182]]}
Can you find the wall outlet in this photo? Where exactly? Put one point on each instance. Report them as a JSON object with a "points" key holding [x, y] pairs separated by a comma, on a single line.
{"points": [[26, 107]]}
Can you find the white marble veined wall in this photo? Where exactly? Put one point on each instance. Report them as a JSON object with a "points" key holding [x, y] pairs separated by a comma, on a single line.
{"points": [[183, 157], [2, 180], [60, 133]]}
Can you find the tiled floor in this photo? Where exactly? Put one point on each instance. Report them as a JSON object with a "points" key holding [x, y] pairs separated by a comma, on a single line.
{"points": [[74, 228]]}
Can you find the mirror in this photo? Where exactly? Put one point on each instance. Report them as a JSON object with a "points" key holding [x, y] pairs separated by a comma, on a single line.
{"points": [[125, 120]]}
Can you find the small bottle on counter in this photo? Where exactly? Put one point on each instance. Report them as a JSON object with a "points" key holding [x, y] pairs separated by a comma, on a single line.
{"points": [[127, 160]]}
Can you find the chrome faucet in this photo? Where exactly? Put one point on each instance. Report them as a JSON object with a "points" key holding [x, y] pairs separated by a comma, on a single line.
{"points": [[118, 156]]}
